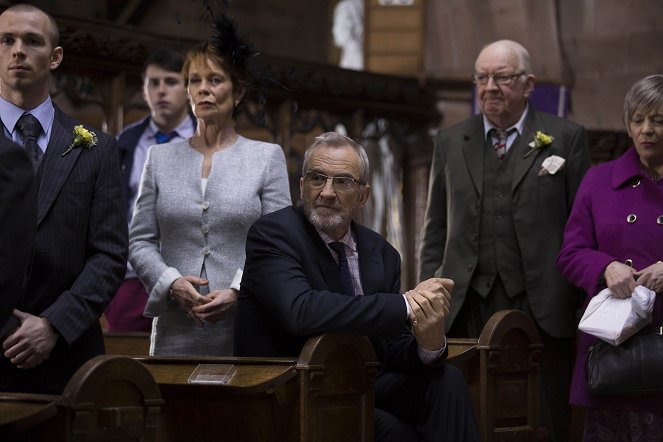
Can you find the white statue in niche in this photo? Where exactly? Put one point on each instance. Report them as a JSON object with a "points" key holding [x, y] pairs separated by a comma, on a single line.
{"points": [[348, 32]]}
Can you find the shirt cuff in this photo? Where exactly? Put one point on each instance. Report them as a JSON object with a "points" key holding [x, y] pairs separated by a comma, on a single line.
{"points": [[407, 306], [430, 357], [237, 279]]}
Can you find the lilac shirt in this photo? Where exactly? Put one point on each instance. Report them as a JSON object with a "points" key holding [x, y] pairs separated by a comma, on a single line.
{"points": [[598, 233]]}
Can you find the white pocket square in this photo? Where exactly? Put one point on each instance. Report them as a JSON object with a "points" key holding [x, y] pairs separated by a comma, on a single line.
{"points": [[551, 165]]}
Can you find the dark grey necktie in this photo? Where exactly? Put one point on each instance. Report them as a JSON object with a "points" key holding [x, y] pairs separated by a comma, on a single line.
{"points": [[343, 268], [29, 128]]}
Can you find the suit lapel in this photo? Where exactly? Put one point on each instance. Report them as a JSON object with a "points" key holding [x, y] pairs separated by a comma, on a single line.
{"points": [[473, 143], [54, 168], [532, 124]]}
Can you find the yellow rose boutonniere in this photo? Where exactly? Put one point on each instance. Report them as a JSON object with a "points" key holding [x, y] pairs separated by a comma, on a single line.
{"points": [[82, 138], [540, 140]]}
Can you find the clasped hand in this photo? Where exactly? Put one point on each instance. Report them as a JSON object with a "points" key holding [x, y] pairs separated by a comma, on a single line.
{"points": [[211, 308], [31, 343], [430, 302], [622, 279]]}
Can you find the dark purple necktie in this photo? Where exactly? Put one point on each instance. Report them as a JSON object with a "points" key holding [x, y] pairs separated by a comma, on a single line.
{"points": [[343, 268]]}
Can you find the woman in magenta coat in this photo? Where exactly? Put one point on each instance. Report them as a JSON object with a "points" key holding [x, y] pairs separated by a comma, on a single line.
{"points": [[614, 239]]}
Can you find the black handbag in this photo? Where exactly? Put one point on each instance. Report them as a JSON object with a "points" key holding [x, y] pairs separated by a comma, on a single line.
{"points": [[634, 367]]}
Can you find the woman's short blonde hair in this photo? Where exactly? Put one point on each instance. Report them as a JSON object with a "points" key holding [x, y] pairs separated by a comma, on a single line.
{"points": [[645, 96]]}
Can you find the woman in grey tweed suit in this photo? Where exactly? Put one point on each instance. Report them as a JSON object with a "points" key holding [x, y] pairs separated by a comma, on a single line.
{"points": [[196, 202]]}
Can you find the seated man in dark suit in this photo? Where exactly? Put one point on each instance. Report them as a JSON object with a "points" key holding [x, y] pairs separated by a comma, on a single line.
{"points": [[18, 224], [296, 285]]}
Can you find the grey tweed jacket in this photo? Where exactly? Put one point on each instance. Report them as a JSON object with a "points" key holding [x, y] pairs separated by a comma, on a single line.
{"points": [[177, 231]]}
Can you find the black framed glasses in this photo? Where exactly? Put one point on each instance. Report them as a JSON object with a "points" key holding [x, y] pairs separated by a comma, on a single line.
{"points": [[499, 79], [339, 183]]}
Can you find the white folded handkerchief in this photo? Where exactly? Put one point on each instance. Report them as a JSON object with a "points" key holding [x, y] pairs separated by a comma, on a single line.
{"points": [[615, 320]]}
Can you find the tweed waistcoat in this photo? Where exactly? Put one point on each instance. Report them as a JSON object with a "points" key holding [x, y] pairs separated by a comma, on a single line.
{"points": [[499, 252]]}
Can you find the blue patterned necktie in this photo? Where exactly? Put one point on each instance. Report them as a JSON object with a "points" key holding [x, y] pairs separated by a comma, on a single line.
{"points": [[163, 137], [29, 128], [343, 268]]}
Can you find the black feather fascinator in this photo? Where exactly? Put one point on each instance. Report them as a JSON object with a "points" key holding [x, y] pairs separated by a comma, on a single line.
{"points": [[237, 52], [227, 42]]}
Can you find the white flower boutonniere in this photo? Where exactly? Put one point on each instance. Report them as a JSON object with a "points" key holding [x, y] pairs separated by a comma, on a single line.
{"points": [[540, 141], [82, 138], [551, 165]]}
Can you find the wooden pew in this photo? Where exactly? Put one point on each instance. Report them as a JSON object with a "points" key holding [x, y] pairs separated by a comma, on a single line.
{"points": [[324, 395], [501, 369], [502, 372], [110, 398]]}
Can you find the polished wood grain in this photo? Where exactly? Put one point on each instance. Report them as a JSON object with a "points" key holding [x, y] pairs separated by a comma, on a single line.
{"points": [[293, 397], [245, 376], [326, 394], [19, 411], [127, 343]]}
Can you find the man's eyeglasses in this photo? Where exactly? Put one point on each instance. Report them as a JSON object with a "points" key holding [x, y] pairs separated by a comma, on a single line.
{"points": [[499, 79], [339, 183]]}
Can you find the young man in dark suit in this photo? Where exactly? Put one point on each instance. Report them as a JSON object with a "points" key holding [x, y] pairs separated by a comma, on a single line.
{"points": [[312, 270], [170, 120], [80, 249], [18, 223], [497, 206]]}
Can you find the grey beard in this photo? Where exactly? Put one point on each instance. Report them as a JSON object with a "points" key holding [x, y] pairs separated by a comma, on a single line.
{"points": [[324, 223]]}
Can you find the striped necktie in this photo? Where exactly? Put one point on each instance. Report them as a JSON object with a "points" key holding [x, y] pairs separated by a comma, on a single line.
{"points": [[499, 142], [29, 128]]}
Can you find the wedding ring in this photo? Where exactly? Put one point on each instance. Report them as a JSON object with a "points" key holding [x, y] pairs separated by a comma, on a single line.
{"points": [[414, 323]]}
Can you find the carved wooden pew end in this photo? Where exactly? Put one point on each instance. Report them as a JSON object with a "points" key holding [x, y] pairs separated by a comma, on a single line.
{"points": [[109, 398], [337, 381], [502, 372]]}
